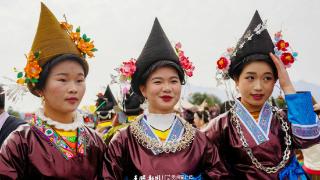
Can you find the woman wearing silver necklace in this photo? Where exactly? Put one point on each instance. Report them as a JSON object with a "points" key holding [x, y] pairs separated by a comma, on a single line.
{"points": [[159, 144], [256, 140], [56, 144]]}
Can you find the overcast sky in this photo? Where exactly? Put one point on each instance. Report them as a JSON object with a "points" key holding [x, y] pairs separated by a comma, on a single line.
{"points": [[120, 28]]}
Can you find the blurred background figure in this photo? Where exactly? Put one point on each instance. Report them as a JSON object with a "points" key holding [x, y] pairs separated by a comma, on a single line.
{"points": [[7, 123], [201, 118], [311, 155], [105, 110], [130, 109]]}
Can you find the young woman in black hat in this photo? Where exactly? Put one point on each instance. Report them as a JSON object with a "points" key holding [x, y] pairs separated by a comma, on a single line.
{"points": [[159, 144], [256, 140]]}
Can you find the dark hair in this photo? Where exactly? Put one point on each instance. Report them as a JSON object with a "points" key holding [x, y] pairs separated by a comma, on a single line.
{"points": [[188, 115], [238, 68], [159, 64], [2, 98], [226, 106], [204, 115], [46, 69]]}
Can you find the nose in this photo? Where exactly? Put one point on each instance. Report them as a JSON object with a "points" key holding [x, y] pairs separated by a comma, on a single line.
{"points": [[258, 85], [73, 88], [167, 88]]}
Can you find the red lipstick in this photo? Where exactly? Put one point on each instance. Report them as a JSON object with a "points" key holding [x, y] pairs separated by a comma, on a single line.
{"points": [[257, 97], [72, 100], [166, 98]]}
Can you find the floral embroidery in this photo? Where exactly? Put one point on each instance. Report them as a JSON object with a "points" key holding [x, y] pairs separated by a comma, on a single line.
{"points": [[44, 130]]}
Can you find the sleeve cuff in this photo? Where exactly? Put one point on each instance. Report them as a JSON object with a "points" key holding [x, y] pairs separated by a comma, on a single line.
{"points": [[306, 131], [305, 123]]}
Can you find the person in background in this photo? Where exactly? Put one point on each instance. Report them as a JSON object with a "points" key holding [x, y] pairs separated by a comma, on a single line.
{"points": [[201, 118], [311, 155], [7, 123], [105, 111]]}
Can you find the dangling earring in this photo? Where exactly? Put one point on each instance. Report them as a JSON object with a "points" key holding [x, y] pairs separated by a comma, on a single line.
{"points": [[42, 100]]}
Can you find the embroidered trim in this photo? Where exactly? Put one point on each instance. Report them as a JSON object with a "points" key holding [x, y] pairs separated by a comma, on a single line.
{"points": [[160, 147], [254, 160], [67, 127], [265, 118], [52, 137], [257, 133], [176, 131], [306, 131], [174, 135]]}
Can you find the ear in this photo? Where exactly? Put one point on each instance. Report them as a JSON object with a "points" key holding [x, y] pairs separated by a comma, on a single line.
{"points": [[143, 90]]}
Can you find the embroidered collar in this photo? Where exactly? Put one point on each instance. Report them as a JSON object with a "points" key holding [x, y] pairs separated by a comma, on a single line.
{"points": [[52, 137], [161, 122], [78, 121], [258, 130], [180, 137], [175, 133]]}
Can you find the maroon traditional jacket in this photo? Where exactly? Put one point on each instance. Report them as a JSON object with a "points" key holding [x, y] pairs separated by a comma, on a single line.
{"points": [[26, 154], [127, 158], [222, 132]]}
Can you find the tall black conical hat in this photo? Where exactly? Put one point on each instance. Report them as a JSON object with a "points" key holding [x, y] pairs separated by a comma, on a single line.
{"points": [[258, 48], [157, 47], [132, 102], [109, 99]]}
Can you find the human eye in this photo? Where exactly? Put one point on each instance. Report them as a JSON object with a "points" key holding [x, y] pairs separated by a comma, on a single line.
{"points": [[250, 78]]}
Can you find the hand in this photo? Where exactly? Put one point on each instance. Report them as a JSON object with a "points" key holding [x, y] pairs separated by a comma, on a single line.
{"points": [[284, 79]]}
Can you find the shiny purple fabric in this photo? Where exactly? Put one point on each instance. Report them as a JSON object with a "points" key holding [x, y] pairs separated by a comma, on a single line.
{"points": [[222, 132], [127, 158], [26, 155]]}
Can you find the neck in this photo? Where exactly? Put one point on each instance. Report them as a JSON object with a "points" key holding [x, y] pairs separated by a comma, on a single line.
{"points": [[1, 111], [159, 111], [202, 125], [251, 108], [58, 116]]}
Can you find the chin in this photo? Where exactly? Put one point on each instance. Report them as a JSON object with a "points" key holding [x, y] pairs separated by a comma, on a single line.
{"points": [[70, 109], [166, 109], [258, 103]]}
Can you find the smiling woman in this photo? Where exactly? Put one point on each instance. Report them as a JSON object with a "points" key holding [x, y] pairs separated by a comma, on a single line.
{"points": [[159, 143], [55, 144]]}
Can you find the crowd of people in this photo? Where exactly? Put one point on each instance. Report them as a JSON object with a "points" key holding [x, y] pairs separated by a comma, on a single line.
{"points": [[246, 137]]}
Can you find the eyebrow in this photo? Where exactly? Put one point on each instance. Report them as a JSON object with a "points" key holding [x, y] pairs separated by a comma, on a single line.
{"points": [[66, 74], [160, 78], [256, 73]]}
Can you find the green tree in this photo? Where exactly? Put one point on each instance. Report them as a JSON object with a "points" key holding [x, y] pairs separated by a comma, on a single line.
{"points": [[198, 98]]}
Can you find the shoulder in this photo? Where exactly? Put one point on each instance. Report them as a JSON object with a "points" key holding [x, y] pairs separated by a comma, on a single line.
{"points": [[14, 122], [215, 128], [92, 135], [123, 134], [218, 122], [21, 135]]}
